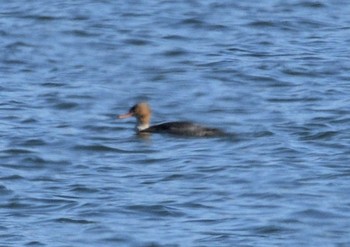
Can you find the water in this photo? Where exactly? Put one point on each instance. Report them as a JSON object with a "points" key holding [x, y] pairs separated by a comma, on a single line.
{"points": [[273, 73]]}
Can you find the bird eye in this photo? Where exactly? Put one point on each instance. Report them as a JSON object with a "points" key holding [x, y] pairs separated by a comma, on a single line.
{"points": [[132, 109]]}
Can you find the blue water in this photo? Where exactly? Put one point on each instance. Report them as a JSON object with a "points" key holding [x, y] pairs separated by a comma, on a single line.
{"points": [[274, 74]]}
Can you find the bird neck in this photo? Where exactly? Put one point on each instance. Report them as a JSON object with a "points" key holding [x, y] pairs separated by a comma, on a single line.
{"points": [[143, 122]]}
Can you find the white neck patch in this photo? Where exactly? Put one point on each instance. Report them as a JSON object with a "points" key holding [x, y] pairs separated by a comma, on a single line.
{"points": [[141, 127]]}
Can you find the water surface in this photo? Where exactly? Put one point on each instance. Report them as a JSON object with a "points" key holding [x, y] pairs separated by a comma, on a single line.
{"points": [[274, 74]]}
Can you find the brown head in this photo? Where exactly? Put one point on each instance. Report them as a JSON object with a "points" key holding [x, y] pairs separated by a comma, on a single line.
{"points": [[142, 112]]}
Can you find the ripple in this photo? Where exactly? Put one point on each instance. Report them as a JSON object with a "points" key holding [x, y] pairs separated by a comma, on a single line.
{"points": [[100, 148], [175, 52], [317, 214], [46, 18], [15, 62], [53, 84], [34, 143], [260, 24], [155, 210], [74, 221], [34, 159], [43, 18], [137, 42], [35, 243], [80, 33], [118, 240], [175, 37], [271, 229], [83, 189], [311, 4], [12, 177], [192, 20], [264, 133], [15, 151], [4, 190], [29, 121], [28, 162], [15, 205], [66, 105], [341, 120], [299, 72], [18, 44], [294, 99], [174, 177], [323, 135]]}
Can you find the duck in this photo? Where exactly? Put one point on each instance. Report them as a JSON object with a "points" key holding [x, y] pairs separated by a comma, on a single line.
{"points": [[142, 112]]}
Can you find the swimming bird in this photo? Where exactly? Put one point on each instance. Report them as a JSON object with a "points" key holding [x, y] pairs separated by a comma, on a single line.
{"points": [[142, 112]]}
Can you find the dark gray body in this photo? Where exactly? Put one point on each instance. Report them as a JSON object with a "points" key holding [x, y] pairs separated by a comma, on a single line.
{"points": [[184, 129]]}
